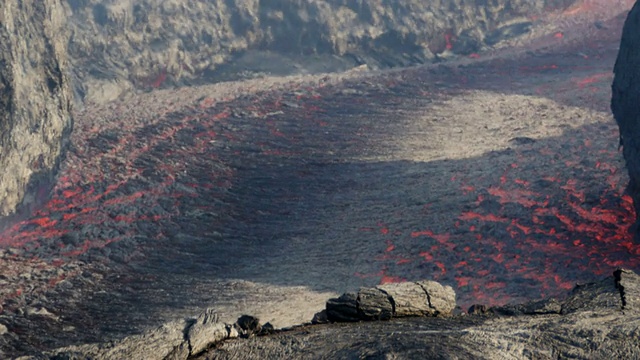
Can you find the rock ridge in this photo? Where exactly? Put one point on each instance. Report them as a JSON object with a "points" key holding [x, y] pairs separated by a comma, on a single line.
{"points": [[120, 46], [542, 329]]}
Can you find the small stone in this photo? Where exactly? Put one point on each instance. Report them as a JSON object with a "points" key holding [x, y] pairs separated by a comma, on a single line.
{"points": [[477, 309], [32, 311], [232, 332], [267, 329], [249, 324], [320, 317], [3, 329], [26, 276]]}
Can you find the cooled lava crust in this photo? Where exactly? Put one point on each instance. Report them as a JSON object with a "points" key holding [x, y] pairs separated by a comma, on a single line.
{"points": [[300, 183]]}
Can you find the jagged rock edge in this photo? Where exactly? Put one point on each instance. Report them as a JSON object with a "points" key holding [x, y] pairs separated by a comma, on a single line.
{"points": [[187, 338], [617, 275]]}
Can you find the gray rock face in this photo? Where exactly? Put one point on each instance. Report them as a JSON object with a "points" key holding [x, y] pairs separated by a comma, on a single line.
{"points": [[120, 45], [625, 92], [35, 98], [596, 321], [206, 330], [177, 340]]}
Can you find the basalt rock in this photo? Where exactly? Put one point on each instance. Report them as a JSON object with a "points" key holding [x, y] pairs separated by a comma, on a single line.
{"points": [[596, 321], [625, 92], [599, 320], [121, 45], [35, 99], [423, 298]]}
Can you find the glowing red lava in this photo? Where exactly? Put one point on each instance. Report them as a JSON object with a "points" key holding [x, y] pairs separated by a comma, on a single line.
{"points": [[550, 214]]}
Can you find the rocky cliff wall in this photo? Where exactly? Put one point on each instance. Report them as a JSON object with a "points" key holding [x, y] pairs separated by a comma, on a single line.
{"points": [[625, 92], [35, 98], [118, 45]]}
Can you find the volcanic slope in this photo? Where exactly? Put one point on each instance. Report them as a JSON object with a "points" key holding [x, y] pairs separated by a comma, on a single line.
{"points": [[498, 176]]}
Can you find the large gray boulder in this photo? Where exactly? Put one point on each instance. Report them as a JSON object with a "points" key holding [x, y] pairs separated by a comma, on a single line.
{"points": [[422, 298], [35, 98]]}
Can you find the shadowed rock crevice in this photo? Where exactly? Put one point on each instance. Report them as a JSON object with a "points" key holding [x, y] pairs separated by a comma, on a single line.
{"points": [[391, 300], [428, 297], [617, 277]]}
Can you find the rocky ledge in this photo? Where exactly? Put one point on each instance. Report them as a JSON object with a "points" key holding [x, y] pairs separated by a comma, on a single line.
{"points": [[596, 320], [119, 46]]}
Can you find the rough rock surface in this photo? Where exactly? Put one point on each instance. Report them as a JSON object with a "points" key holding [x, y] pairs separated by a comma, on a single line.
{"points": [[35, 98], [176, 340], [625, 92], [597, 321], [143, 298], [120, 45], [423, 298]]}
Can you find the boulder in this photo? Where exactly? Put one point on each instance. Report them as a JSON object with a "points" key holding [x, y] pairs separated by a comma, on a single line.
{"points": [[625, 92], [422, 298], [35, 99]]}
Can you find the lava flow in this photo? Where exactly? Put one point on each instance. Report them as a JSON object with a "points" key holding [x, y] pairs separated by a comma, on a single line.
{"points": [[308, 177]]}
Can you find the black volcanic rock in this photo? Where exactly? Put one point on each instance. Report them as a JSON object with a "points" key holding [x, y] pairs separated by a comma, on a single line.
{"points": [[35, 98], [625, 96]]}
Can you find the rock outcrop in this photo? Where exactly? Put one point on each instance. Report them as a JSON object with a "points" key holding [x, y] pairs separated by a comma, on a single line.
{"points": [[119, 45], [423, 298], [625, 92], [35, 98], [597, 320]]}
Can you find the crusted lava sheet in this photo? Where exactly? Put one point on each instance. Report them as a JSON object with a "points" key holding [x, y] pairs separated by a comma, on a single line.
{"points": [[498, 175]]}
